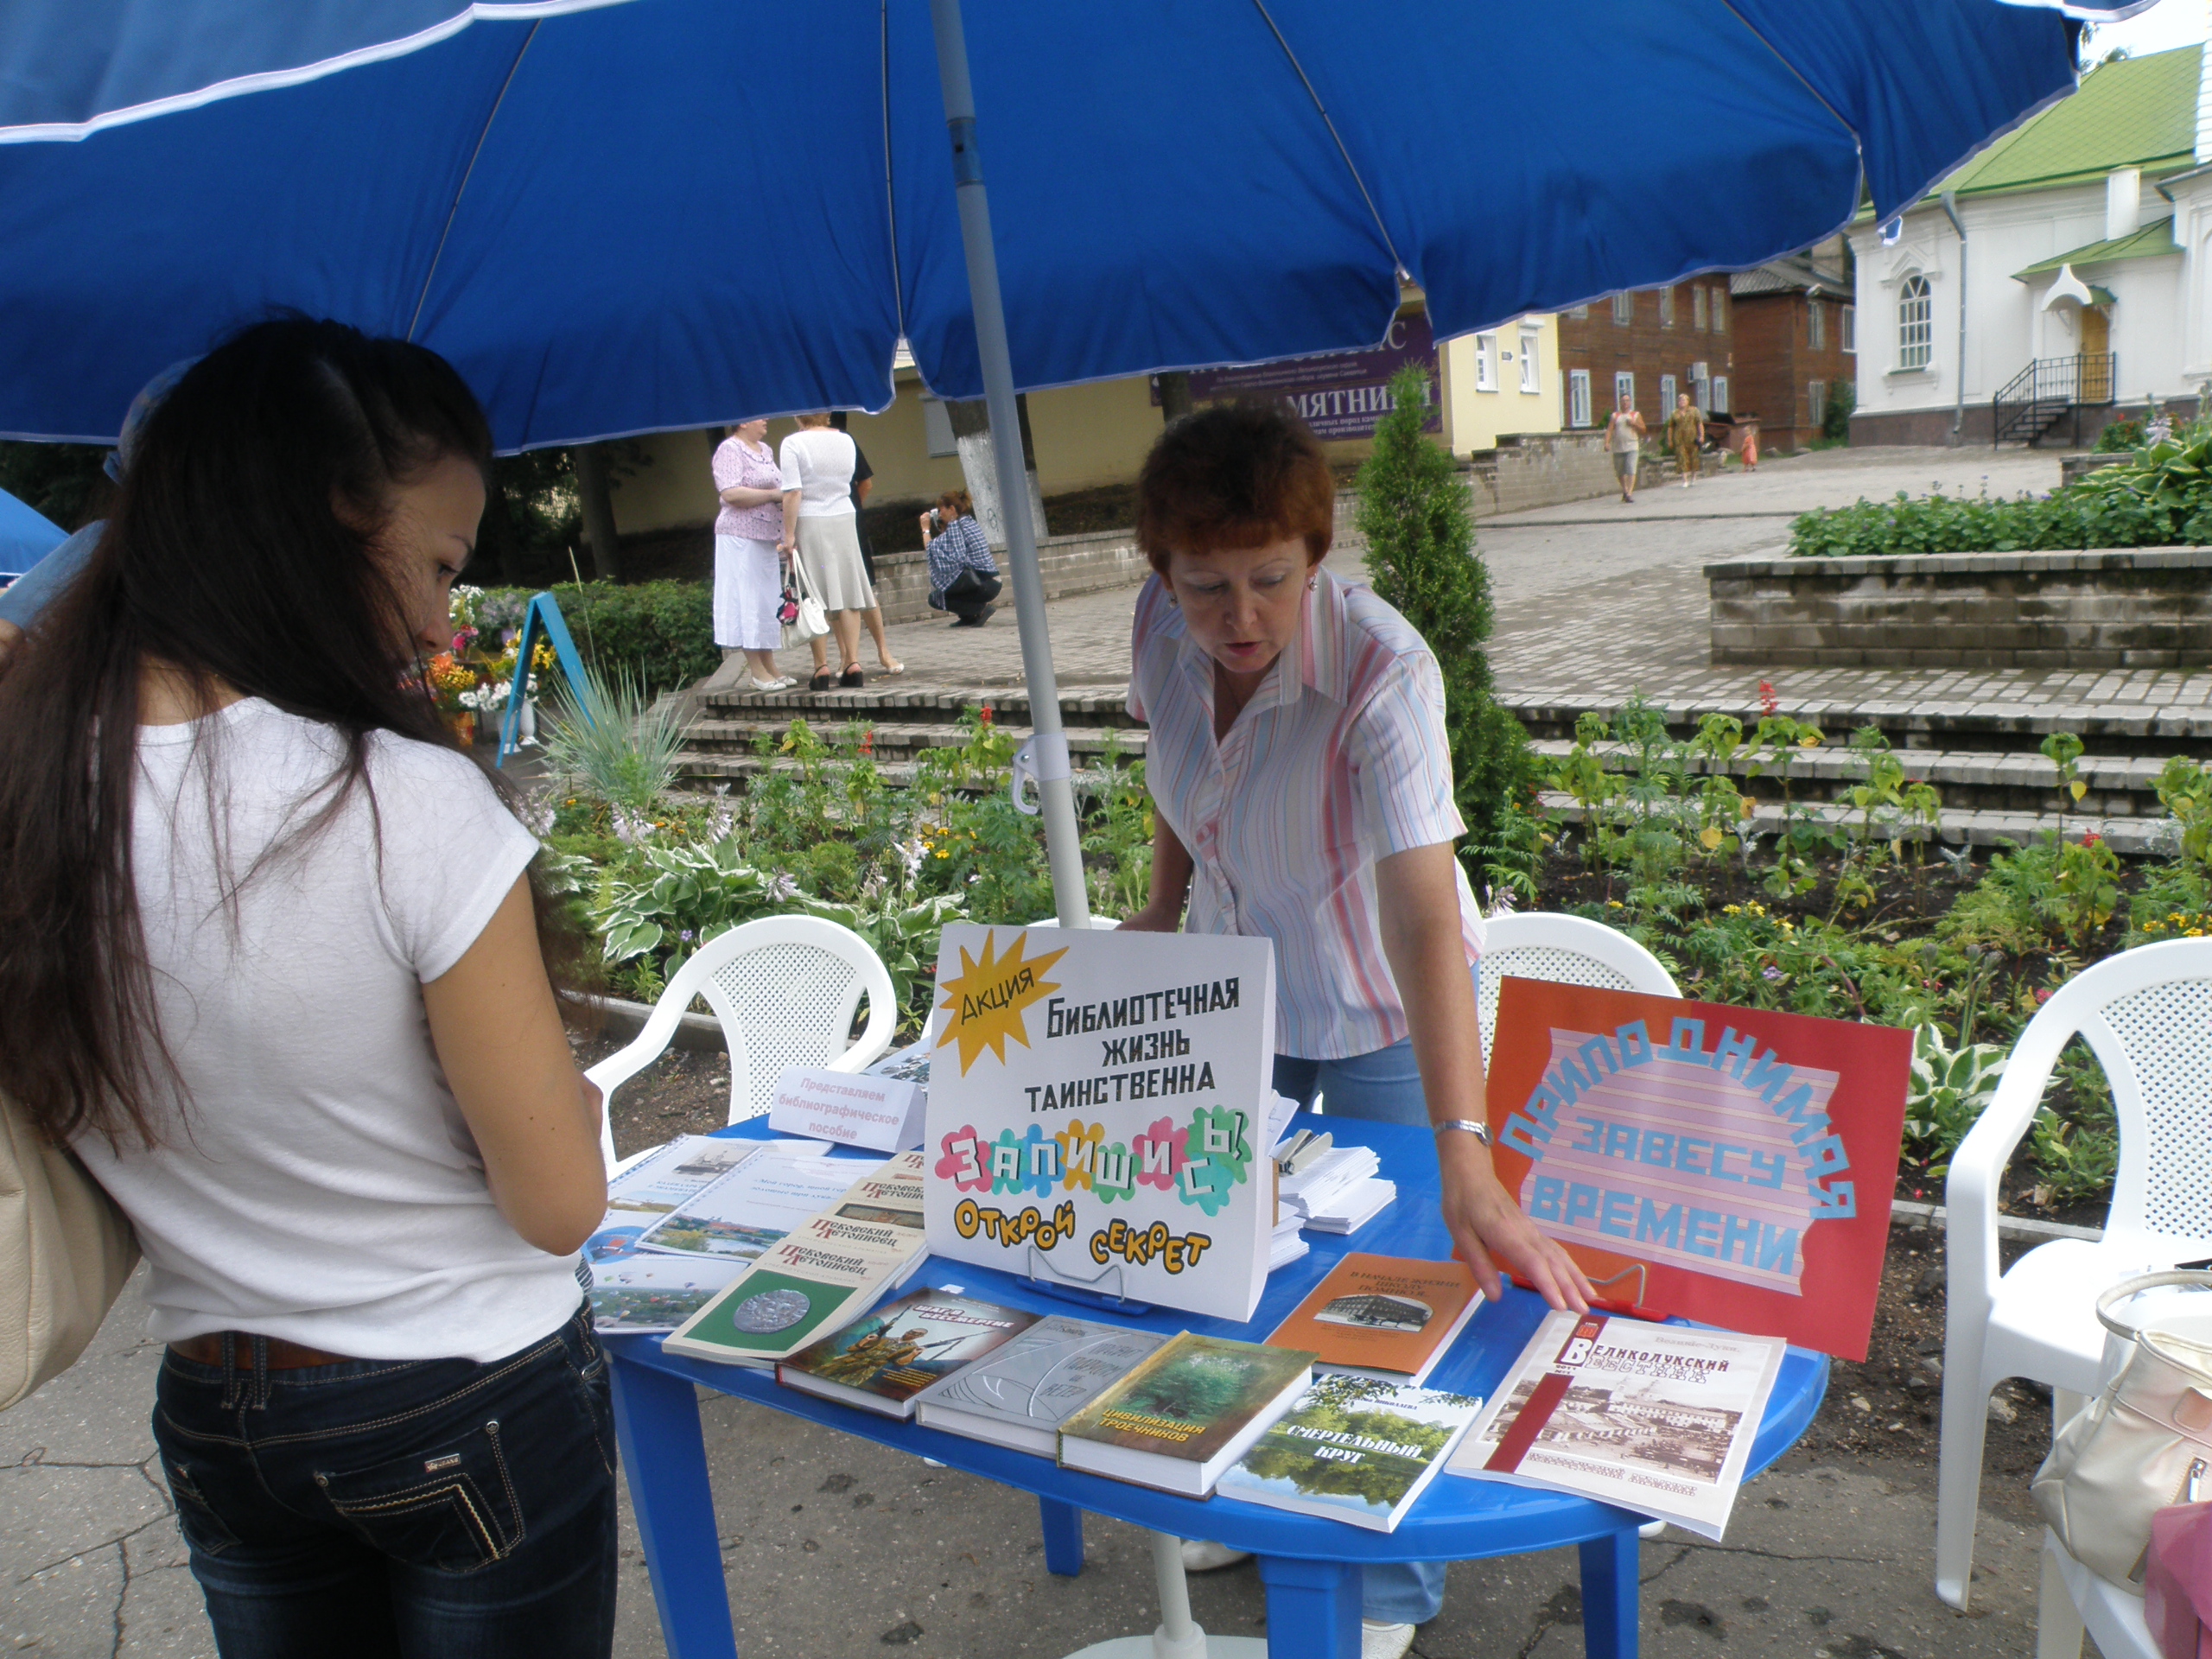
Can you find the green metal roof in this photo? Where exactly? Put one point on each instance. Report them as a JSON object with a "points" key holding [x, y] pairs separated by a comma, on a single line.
{"points": [[2153, 239], [2133, 112]]}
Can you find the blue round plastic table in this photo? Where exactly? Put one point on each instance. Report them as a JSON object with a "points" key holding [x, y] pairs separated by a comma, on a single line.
{"points": [[1311, 1567]]}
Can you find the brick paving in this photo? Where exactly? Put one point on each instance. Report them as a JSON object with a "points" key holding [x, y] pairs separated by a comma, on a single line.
{"points": [[1596, 600]]}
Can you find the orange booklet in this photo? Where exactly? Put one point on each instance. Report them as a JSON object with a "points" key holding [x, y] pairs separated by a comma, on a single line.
{"points": [[1382, 1315]]}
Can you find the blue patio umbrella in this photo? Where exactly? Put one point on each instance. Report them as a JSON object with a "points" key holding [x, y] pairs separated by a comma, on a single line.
{"points": [[617, 218], [26, 537]]}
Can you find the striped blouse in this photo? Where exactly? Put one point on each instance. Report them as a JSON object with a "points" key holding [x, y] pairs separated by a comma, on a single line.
{"points": [[1339, 760]]}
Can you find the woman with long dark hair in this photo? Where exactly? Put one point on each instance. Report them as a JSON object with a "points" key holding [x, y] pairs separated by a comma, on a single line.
{"points": [[269, 964]]}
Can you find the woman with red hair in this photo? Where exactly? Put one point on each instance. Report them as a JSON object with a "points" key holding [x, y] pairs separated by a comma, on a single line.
{"points": [[1302, 789]]}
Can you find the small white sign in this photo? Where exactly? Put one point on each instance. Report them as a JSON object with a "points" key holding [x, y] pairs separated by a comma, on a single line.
{"points": [[854, 1109]]}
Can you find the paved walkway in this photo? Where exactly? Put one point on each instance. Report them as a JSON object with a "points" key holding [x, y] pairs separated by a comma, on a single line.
{"points": [[1597, 599]]}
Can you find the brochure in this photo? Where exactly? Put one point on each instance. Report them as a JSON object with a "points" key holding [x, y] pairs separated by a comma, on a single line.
{"points": [[654, 1292], [1187, 1414], [1352, 1449], [1020, 1395], [1383, 1317], [795, 1291], [664, 1178], [1654, 1418], [749, 1208], [882, 1362]]}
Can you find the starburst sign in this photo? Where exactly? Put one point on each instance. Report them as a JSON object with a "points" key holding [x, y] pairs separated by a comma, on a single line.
{"points": [[987, 1002]]}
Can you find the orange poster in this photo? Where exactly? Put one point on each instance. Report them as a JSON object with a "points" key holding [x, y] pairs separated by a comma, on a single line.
{"points": [[1728, 1164]]}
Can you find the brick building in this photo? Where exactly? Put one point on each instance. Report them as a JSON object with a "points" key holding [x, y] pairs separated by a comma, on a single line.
{"points": [[1646, 346], [1796, 341]]}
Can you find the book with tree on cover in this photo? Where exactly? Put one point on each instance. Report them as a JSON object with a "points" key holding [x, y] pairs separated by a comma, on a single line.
{"points": [[1019, 1396], [794, 1292], [1656, 1418], [881, 1361], [1384, 1316], [1352, 1449], [1187, 1414]]}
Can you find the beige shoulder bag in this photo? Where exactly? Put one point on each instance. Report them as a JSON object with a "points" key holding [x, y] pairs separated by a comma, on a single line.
{"points": [[65, 1252], [2144, 1443]]}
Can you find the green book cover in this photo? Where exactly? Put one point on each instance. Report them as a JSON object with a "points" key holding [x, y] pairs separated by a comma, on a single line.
{"points": [[1352, 1448], [796, 1291], [1189, 1400]]}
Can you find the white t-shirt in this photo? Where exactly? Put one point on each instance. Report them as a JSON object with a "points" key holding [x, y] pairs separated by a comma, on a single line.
{"points": [[818, 461], [322, 1185]]}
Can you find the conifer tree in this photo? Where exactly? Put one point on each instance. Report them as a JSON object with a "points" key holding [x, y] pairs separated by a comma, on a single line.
{"points": [[1421, 558]]}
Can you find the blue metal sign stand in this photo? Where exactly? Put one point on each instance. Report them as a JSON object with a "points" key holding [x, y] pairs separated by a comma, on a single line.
{"points": [[543, 610]]}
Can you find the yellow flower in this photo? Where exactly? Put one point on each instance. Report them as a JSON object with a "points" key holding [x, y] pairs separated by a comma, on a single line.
{"points": [[944, 855], [2195, 932], [1811, 741], [1732, 910], [1614, 904]]}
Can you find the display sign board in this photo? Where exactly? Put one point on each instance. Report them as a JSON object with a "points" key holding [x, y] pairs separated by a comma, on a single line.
{"points": [[1094, 1111], [883, 1113], [1337, 394], [1729, 1164]]}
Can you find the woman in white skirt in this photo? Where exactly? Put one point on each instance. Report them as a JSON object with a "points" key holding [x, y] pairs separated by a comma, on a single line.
{"points": [[819, 526], [748, 571]]}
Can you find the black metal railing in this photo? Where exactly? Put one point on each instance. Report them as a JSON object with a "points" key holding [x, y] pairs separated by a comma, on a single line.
{"points": [[2051, 388]]}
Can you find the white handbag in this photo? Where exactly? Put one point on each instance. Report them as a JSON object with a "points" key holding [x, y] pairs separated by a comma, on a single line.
{"points": [[65, 1252], [812, 621], [2144, 1443]]}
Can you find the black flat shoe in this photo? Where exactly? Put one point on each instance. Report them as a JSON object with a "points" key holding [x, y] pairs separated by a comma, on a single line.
{"points": [[852, 677], [820, 682]]}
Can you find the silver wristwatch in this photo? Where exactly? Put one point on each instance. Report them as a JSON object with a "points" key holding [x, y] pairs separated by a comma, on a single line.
{"points": [[1479, 1130]]}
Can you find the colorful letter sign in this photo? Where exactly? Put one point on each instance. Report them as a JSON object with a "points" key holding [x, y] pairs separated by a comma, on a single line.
{"points": [[1728, 1164], [1094, 1111]]}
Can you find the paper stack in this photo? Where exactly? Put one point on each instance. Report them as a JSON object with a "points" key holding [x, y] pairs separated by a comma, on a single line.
{"points": [[1339, 1191], [1287, 1246]]}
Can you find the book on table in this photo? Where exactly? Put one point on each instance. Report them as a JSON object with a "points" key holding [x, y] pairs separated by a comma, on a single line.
{"points": [[1184, 1414], [892, 1193], [668, 1177], [1384, 1316], [796, 1291], [1019, 1396], [883, 1360], [746, 1211], [653, 1292], [1654, 1418], [1354, 1449]]}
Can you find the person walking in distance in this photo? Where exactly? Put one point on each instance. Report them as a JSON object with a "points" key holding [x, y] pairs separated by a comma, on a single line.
{"points": [[1685, 432], [1624, 440], [963, 576]]}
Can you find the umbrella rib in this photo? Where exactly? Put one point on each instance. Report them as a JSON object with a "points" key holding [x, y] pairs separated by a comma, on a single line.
{"points": [[454, 211], [1857, 143], [1311, 92], [890, 201]]}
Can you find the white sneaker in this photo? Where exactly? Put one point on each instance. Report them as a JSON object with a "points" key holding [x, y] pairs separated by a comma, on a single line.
{"points": [[1379, 1641], [1201, 1556]]}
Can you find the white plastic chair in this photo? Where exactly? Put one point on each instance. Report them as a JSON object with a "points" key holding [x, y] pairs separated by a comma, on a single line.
{"points": [[1567, 951], [2146, 1015], [786, 989]]}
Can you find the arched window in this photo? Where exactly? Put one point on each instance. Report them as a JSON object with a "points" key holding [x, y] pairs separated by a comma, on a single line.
{"points": [[1916, 323]]}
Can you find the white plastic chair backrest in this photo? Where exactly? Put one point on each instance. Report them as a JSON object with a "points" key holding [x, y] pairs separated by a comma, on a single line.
{"points": [[2146, 1015], [1567, 951], [786, 989]]}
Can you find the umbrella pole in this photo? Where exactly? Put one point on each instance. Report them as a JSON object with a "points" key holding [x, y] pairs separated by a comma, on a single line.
{"points": [[1049, 744]]}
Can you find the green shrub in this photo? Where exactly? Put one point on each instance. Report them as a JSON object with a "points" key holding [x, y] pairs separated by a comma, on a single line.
{"points": [[662, 633], [1835, 421], [1421, 558], [2162, 498], [2121, 434]]}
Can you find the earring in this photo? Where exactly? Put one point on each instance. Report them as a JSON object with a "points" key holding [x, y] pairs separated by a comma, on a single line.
{"points": [[1311, 583]]}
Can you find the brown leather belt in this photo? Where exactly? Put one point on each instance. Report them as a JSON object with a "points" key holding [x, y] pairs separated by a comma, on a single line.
{"points": [[282, 1356]]}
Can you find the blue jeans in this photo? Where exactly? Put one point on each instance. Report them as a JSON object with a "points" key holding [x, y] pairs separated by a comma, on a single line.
{"points": [[398, 1509], [1382, 1086]]}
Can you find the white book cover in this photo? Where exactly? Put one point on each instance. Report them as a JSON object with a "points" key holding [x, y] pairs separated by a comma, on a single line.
{"points": [[1097, 1104], [747, 1211], [1654, 1418]]}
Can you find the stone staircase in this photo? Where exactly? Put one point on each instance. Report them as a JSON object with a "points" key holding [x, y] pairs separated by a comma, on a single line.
{"points": [[1984, 761], [1982, 758]]}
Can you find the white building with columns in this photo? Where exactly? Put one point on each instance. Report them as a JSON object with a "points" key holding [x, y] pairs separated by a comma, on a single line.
{"points": [[2081, 245]]}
